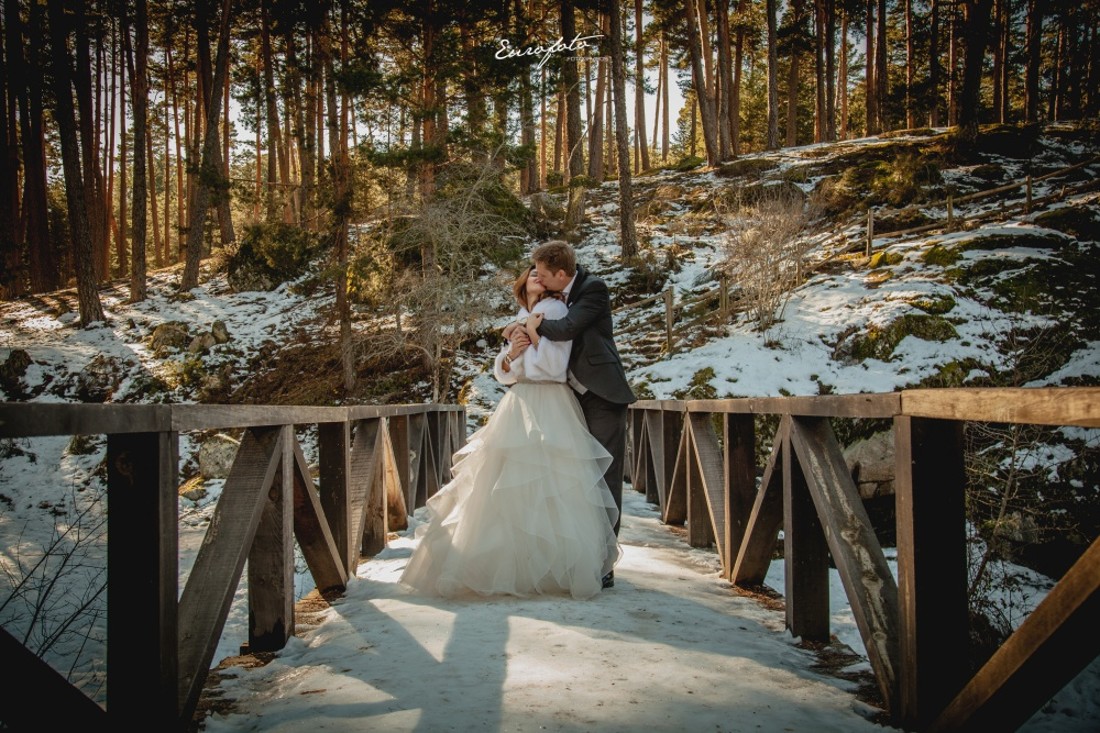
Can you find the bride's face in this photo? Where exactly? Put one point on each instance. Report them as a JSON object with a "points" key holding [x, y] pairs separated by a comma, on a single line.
{"points": [[535, 287]]}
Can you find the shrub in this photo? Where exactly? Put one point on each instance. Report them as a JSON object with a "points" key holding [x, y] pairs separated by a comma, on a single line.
{"points": [[270, 254]]}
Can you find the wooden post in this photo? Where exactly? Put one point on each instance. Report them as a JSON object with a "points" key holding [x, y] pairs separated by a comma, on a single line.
{"points": [[870, 232], [271, 559], [334, 463], [950, 212], [930, 489], [1027, 206], [805, 555], [724, 298], [142, 579], [668, 319], [739, 441]]}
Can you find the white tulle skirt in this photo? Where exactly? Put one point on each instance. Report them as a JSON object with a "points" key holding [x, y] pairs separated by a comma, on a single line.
{"points": [[527, 511]]}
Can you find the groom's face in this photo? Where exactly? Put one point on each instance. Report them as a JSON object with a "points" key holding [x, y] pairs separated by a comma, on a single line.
{"points": [[551, 280]]}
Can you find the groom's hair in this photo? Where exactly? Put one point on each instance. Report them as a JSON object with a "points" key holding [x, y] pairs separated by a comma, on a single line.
{"points": [[557, 255]]}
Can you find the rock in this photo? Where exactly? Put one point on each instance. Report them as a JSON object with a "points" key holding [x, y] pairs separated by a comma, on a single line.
{"points": [[871, 463], [12, 371], [171, 335], [193, 489], [98, 381], [202, 343], [216, 456], [220, 332]]}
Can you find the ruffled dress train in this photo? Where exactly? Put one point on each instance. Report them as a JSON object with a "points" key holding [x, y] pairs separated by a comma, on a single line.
{"points": [[527, 511]]}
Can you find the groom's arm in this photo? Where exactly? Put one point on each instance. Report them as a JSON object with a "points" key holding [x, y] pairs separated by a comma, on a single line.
{"points": [[591, 304]]}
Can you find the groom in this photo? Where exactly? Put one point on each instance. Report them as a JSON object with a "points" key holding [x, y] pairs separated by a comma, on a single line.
{"points": [[595, 370]]}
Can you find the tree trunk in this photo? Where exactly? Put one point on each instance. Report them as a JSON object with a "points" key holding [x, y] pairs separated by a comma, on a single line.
{"points": [[82, 81], [910, 61], [91, 310], [276, 151], [871, 88], [138, 286], [842, 76], [1034, 59], [773, 79], [706, 102], [211, 171], [42, 250], [626, 205], [952, 66], [529, 174], [934, 65], [819, 71], [735, 98], [881, 74], [575, 211], [725, 79], [595, 129], [639, 82], [12, 273], [797, 10], [976, 31], [304, 193]]}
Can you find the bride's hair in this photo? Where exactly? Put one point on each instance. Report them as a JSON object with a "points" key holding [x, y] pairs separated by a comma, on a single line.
{"points": [[519, 289]]}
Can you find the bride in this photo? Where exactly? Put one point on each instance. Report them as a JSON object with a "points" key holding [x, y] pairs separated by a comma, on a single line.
{"points": [[527, 511]]}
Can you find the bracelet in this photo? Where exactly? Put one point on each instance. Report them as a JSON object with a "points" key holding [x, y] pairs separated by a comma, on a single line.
{"points": [[508, 359]]}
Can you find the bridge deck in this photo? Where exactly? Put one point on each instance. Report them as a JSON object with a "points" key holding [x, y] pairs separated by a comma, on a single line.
{"points": [[672, 647]]}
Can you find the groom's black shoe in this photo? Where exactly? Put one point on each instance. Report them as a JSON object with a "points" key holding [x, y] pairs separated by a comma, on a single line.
{"points": [[609, 580]]}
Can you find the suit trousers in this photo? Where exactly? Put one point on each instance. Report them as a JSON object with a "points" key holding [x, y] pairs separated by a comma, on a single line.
{"points": [[607, 423]]}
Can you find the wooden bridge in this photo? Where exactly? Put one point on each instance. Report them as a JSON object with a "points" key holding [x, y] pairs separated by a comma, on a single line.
{"points": [[695, 460]]}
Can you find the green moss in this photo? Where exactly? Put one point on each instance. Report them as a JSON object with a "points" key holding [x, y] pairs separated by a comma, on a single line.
{"points": [[1077, 221], [699, 388], [880, 342], [1028, 240], [746, 167], [883, 258], [935, 305], [941, 256]]}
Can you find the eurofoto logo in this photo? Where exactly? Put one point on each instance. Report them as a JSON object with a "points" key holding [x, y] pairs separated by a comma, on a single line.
{"points": [[579, 43]]}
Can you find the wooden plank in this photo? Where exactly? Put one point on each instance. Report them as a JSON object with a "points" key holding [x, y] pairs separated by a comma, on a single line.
{"points": [[29, 680], [672, 429], [711, 480], [209, 417], [142, 578], [311, 528], [271, 559], [805, 554], [639, 451], [375, 517], [739, 440], [860, 562], [700, 531], [655, 479], [1078, 406], [398, 427], [676, 494], [754, 556], [417, 486], [216, 572], [431, 456], [1051, 647], [397, 513], [885, 404], [334, 463], [24, 419], [933, 622], [364, 476]]}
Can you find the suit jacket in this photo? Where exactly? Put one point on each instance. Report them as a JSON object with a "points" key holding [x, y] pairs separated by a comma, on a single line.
{"points": [[594, 360]]}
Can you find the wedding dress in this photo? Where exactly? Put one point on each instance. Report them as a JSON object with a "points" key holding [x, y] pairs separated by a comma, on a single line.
{"points": [[527, 511]]}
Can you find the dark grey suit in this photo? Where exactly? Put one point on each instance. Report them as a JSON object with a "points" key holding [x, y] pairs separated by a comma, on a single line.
{"points": [[596, 364]]}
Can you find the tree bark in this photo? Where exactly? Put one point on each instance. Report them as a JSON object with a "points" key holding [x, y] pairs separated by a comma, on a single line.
{"points": [[976, 30], [699, 79], [842, 76], [934, 65], [1034, 59], [12, 273], [735, 98], [276, 151], [91, 310], [42, 251], [138, 286], [910, 61], [210, 169], [725, 78], [881, 73], [595, 128], [797, 10], [773, 79], [575, 211], [871, 89], [628, 234], [639, 83]]}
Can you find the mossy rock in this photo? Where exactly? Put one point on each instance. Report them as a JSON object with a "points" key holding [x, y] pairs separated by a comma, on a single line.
{"points": [[699, 388], [755, 167], [885, 258], [1077, 221], [991, 172], [941, 256], [1019, 142], [688, 162], [270, 254], [908, 218], [1026, 239], [956, 373], [879, 342], [936, 306]]}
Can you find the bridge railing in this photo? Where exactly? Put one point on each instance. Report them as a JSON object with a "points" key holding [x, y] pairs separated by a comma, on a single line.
{"points": [[697, 461], [375, 464]]}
